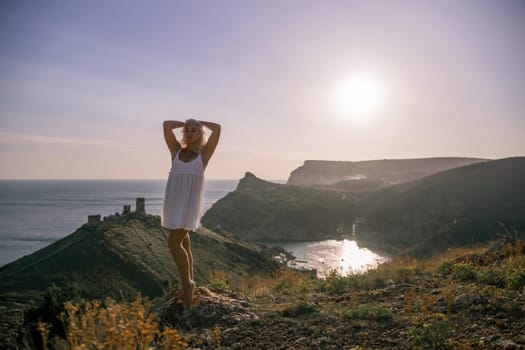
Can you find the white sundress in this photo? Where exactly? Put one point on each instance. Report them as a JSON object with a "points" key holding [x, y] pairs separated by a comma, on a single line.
{"points": [[184, 197]]}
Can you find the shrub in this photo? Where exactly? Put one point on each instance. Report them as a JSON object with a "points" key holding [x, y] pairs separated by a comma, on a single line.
{"points": [[336, 285], [48, 313], [383, 314], [446, 267], [220, 280], [113, 326], [434, 336], [404, 274], [514, 269], [303, 308], [379, 282], [379, 314], [288, 282], [516, 280], [220, 286], [492, 276], [464, 272], [419, 271]]}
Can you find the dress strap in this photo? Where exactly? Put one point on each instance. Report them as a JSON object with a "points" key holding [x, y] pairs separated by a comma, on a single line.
{"points": [[177, 154]]}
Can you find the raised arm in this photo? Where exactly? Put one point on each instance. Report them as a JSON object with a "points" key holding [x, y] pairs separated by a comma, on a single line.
{"points": [[169, 136], [213, 140]]}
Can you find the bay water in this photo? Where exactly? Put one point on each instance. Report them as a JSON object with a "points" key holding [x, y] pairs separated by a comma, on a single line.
{"points": [[340, 257]]}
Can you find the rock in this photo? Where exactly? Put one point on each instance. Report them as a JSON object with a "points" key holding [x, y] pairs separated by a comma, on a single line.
{"points": [[250, 181], [502, 323], [227, 331], [493, 337], [398, 286], [441, 306], [465, 300], [211, 309], [442, 309], [521, 339], [507, 344]]}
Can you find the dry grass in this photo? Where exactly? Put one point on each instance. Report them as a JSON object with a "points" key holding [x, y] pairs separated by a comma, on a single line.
{"points": [[112, 326], [285, 281], [433, 263]]}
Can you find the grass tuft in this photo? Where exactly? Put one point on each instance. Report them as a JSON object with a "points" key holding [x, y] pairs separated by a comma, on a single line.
{"points": [[303, 308], [379, 314], [117, 326]]}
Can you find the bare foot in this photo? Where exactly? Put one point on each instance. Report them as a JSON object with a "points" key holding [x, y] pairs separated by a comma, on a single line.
{"points": [[187, 299]]}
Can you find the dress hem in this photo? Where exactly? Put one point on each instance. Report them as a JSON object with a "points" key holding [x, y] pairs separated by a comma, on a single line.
{"points": [[179, 228]]}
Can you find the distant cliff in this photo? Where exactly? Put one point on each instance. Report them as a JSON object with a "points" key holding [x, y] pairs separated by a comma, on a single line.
{"points": [[371, 174]]}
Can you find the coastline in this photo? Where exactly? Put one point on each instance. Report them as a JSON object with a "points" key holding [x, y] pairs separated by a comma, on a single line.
{"points": [[35, 213]]}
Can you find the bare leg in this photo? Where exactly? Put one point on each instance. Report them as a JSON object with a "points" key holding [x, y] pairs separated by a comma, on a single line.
{"points": [[187, 247], [181, 258]]}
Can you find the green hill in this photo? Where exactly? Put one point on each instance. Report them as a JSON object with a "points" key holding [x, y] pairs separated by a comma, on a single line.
{"points": [[128, 254], [454, 207], [118, 257], [451, 208], [261, 210]]}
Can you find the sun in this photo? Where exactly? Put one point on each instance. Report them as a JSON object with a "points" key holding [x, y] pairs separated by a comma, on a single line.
{"points": [[359, 97]]}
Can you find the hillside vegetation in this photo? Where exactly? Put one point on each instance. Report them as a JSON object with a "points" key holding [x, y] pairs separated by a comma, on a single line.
{"points": [[259, 210], [464, 299], [451, 208], [131, 252]]}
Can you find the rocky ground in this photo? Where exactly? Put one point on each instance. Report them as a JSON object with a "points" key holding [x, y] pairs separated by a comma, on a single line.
{"points": [[470, 299], [464, 303]]}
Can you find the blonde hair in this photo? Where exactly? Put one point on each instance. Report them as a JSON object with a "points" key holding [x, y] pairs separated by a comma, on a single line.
{"points": [[202, 139]]}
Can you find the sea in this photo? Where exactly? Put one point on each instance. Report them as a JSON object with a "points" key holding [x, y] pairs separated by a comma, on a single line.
{"points": [[35, 213]]}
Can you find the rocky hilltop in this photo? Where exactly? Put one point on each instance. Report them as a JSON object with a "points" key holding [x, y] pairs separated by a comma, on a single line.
{"points": [[119, 257], [454, 207], [371, 174], [128, 254], [261, 210]]}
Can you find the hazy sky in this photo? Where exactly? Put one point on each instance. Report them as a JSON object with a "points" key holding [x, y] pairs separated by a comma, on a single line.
{"points": [[85, 85]]}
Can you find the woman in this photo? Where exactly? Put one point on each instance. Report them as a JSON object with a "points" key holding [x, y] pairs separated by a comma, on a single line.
{"points": [[183, 199]]}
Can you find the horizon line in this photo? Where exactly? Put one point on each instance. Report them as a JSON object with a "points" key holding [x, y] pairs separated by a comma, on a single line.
{"points": [[113, 179]]}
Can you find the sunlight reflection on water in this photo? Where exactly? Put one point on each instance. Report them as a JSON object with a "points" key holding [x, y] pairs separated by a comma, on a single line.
{"points": [[343, 256]]}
